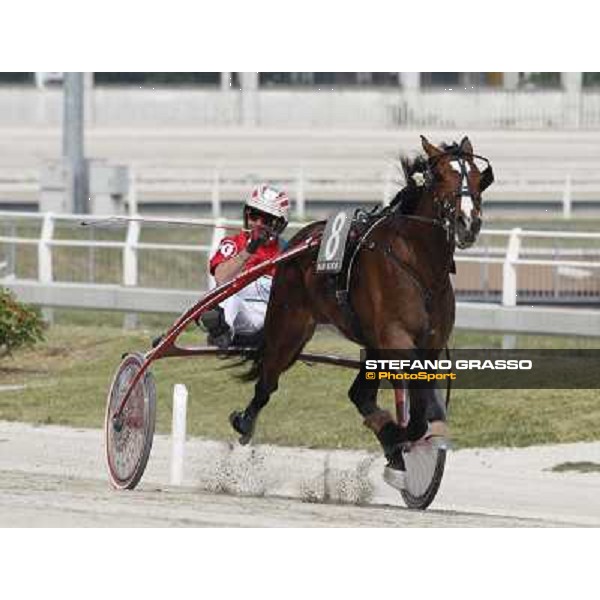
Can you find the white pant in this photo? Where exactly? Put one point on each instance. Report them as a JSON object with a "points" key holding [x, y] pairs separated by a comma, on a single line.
{"points": [[245, 311]]}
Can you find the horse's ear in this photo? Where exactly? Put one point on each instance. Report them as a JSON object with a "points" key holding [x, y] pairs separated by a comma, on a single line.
{"points": [[430, 149], [465, 146]]}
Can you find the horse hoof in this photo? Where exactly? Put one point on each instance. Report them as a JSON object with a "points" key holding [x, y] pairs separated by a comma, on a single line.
{"points": [[242, 425], [395, 478], [245, 439]]}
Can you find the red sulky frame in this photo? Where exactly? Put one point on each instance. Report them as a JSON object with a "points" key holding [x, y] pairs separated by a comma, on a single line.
{"points": [[127, 453], [168, 348]]}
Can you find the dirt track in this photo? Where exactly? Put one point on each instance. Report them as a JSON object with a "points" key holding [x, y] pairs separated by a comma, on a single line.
{"points": [[52, 476], [35, 500]]}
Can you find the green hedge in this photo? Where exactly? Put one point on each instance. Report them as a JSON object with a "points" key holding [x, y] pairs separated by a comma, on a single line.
{"points": [[20, 325]]}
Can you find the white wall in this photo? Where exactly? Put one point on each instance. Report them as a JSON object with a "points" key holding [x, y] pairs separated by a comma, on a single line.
{"points": [[383, 109]]}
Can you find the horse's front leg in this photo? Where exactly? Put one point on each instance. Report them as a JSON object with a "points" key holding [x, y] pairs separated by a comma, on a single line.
{"points": [[428, 410], [244, 421], [381, 422]]}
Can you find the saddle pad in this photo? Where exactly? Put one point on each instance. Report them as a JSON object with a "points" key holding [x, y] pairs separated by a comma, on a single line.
{"points": [[333, 243]]}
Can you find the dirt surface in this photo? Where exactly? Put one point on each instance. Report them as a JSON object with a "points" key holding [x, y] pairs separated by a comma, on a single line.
{"points": [[55, 477], [36, 500]]}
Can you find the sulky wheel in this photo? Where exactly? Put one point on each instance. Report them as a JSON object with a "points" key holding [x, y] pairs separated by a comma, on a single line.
{"points": [[129, 436], [425, 463]]}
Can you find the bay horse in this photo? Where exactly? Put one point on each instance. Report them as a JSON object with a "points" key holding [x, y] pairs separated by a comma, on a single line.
{"points": [[399, 291]]}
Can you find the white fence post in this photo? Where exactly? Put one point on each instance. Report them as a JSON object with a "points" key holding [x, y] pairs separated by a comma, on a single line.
{"points": [[300, 199], [219, 233], [45, 250], [509, 268], [567, 197], [215, 197], [180, 397], [45, 274], [130, 262], [130, 267], [132, 194]]}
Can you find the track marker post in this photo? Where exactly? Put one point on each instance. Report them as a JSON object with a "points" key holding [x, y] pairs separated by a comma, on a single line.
{"points": [[180, 396]]}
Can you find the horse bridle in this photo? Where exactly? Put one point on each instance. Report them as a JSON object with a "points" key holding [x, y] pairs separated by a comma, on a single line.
{"points": [[447, 206]]}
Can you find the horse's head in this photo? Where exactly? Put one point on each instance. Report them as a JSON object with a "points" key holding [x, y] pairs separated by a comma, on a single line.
{"points": [[456, 184]]}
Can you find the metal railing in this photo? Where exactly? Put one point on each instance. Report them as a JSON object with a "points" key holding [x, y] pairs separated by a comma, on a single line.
{"points": [[509, 267], [315, 189], [332, 184]]}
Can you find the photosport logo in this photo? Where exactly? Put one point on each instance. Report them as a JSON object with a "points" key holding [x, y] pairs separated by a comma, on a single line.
{"points": [[484, 369]]}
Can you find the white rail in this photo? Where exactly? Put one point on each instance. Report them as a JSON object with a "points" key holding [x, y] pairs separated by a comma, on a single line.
{"points": [[582, 263], [557, 188]]}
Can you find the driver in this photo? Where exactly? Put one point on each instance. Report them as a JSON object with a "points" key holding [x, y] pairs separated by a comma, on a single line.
{"points": [[239, 319]]}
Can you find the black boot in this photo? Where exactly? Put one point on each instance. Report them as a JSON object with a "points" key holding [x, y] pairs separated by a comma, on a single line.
{"points": [[243, 424], [219, 333]]}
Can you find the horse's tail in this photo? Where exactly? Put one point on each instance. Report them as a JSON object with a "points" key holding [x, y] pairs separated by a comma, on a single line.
{"points": [[256, 356]]}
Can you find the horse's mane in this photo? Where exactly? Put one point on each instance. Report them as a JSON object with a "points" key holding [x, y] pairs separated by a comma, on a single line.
{"points": [[405, 201]]}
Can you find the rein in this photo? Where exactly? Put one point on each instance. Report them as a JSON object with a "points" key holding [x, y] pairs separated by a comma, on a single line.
{"points": [[444, 223], [431, 221]]}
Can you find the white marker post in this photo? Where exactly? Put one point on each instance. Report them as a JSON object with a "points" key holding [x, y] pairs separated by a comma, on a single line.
{"points": [[180, 396]]}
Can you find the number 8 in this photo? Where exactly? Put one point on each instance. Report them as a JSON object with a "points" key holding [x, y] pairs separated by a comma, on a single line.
{"points": [[333, 243]]}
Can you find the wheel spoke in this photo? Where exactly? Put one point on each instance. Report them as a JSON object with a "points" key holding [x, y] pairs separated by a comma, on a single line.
{"points": [[128, 446], [424, 469]]}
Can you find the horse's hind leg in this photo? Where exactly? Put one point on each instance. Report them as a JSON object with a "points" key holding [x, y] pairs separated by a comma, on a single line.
{"points": [[287, 330], [280, 353]]}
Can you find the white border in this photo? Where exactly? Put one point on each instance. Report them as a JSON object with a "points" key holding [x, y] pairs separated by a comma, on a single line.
{"points": [[296, 563], [308, 35]]}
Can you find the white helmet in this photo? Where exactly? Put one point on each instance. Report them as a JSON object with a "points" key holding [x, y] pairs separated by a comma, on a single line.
{"points": [[271, 201]]}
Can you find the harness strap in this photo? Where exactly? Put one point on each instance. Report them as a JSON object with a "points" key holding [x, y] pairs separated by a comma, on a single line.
{"points": [[343, 301], [435, 222], [414, 276], [342, 294], [448, 381], [425, 292], [361, 242]]}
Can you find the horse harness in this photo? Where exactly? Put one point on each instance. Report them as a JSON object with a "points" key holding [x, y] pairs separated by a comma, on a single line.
{"points": [[362, 227], [364, 223]]}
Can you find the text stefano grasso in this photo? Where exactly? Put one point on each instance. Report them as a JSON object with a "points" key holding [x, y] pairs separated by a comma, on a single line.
{"points": [[445, 364]]}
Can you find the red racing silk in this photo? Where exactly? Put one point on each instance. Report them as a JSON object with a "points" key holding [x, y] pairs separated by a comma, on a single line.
{"points": [[232, 245]]}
